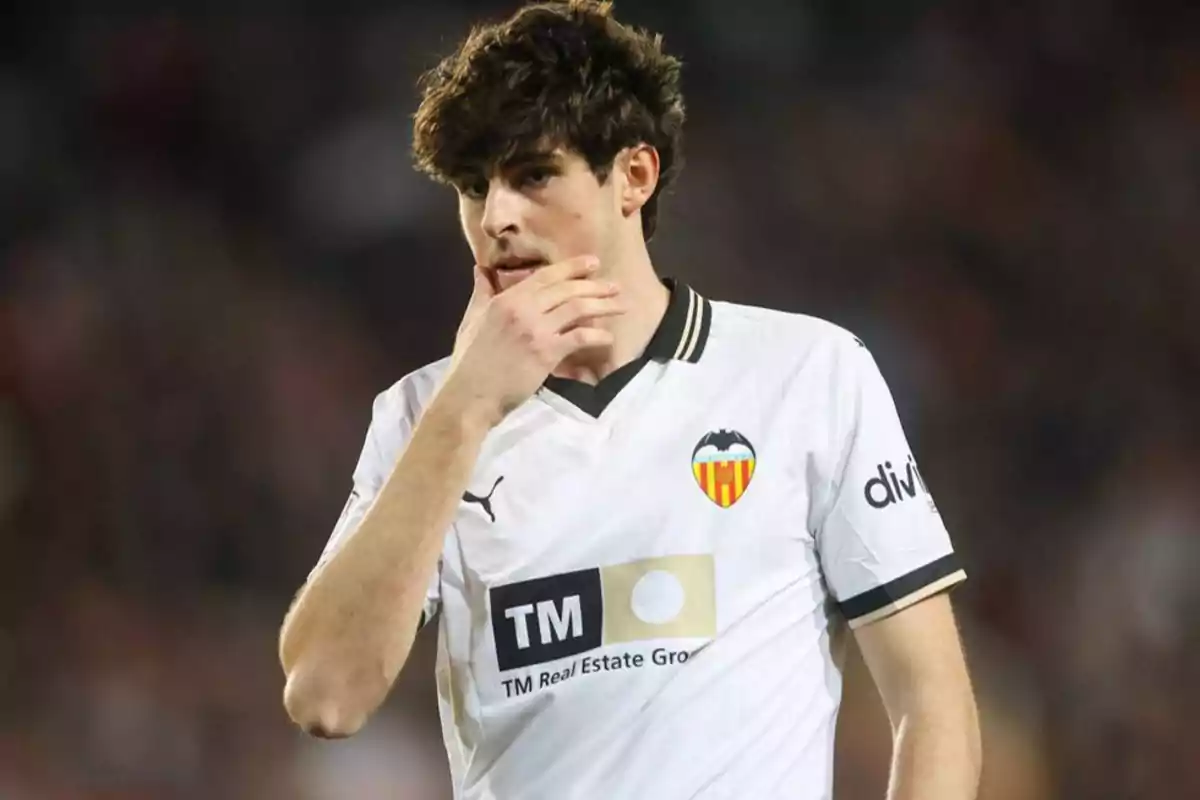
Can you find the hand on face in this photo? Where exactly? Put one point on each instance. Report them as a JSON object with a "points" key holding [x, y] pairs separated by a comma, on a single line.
{"points": [[514, 334]]}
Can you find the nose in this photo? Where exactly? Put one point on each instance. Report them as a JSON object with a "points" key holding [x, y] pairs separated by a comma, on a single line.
{"points": [[501, 210]]}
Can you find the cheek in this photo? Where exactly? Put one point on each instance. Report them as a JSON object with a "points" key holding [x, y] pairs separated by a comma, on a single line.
{"points": [[472, 228], [579, 233], [585, 226]]}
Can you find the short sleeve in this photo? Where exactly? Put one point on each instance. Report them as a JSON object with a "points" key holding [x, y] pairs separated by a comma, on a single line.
{"points": [[386, 438], [882, 543]]}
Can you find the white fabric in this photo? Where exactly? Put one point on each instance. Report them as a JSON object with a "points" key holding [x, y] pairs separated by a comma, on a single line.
{"points": [[616, 633]]}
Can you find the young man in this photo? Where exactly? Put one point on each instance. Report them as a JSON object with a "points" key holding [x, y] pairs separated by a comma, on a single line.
{"points": [[646, 519]]}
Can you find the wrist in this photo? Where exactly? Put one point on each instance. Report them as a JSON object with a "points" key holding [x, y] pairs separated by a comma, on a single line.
{"points": [[458, 401]]}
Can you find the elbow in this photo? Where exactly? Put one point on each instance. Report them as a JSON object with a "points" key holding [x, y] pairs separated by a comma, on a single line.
{"points": [[334, 682], [327, 707]]}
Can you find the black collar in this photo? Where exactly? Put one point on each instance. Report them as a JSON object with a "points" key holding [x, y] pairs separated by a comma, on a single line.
{"points": [[681, 335], [683, 331]]}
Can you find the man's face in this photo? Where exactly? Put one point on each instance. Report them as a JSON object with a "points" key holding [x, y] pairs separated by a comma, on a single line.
{"points": [[538, 210]]}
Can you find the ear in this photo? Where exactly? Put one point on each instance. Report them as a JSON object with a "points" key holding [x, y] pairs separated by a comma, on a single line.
{"points": [[639, 166]]}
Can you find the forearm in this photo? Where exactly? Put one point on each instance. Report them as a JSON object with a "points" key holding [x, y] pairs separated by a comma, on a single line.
{"points": [[936, 754], [352, 626]]}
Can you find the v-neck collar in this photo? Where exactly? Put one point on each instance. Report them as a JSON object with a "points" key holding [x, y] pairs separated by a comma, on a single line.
{"points": [[681, 335]]}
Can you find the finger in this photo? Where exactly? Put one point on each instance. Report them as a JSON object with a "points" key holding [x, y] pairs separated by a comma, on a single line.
{"points": [[577, 267], [482, 291], [552, 296], [581, 338], [581, 309]]}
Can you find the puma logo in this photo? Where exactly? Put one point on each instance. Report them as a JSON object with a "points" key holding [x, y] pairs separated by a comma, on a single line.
{"points": [[485, 501]]}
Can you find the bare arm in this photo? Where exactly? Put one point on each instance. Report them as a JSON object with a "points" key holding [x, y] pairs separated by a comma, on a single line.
{"points": [[916, 660], [353, 624]]}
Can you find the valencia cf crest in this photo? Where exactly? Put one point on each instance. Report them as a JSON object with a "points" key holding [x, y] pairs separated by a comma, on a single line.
{"points": [[723, 464]]}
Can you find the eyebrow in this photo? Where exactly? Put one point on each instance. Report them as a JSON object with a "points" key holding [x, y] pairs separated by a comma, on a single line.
{"points": [[531, 158], [516, 162]]}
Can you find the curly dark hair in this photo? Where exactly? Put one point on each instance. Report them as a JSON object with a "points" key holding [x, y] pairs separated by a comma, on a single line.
{"points": [[555, 74]]}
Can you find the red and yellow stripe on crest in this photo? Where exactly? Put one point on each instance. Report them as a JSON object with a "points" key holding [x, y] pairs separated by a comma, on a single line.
{"points": [[724, 482]]}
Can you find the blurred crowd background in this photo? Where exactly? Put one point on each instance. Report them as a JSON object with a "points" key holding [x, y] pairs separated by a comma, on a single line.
{"points": [[214, 253]]}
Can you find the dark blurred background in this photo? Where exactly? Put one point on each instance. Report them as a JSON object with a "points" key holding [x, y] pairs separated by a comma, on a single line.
{"points": [[213, 253]]}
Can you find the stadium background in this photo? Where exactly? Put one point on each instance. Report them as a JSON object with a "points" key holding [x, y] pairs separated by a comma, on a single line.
{"points": [[214, 254]]}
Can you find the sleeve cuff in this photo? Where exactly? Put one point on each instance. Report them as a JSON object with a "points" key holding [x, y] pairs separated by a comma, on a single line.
{"points": [[883, 601]]}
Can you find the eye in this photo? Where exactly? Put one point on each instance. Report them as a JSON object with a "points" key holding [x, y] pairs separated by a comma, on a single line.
{"points": [[474, 188], [535, 177]]}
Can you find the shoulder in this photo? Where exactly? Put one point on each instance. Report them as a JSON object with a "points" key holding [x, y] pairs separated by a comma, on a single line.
{"points": [[404, 399], [393, 416], [782, 340]]}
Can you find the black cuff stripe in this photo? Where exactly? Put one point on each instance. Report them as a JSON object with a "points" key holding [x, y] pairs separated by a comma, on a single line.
{"points": [[891, 592]]}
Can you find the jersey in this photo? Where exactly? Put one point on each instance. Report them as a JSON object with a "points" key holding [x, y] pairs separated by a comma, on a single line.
{"points": [[646, 587]]}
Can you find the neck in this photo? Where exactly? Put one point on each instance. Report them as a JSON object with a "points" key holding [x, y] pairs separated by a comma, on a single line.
{"points": [[645, 298]]}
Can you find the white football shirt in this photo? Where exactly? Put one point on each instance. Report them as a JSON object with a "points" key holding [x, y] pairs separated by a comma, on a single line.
{"points": [[646, 586]]}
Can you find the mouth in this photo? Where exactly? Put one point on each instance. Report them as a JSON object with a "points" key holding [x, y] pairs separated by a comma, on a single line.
{"points": [[513, 264]]}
